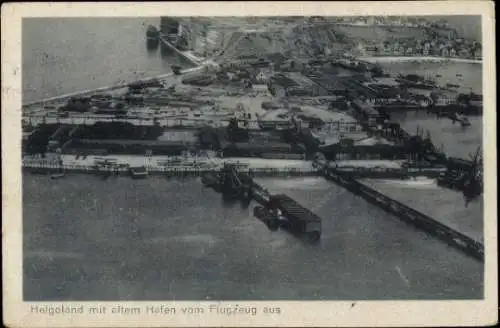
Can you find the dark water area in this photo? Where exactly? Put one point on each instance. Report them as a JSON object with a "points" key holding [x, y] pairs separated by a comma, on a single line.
{"points": [[64, 55], [160, 239]]}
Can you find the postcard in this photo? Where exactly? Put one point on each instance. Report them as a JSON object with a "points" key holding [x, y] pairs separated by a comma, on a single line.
{"points": [[249, 164]]}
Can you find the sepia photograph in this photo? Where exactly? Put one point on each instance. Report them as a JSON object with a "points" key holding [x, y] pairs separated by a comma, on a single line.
{"points": [[250, 158]]}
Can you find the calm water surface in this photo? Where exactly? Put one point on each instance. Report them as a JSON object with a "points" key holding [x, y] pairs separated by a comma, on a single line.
{"points": [[159, 239], [456, 141], [63, 55], [469, 78]]}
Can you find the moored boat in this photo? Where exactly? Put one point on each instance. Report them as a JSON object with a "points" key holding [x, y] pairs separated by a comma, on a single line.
{"points": [[57, 175], [176, 69], [152, 37], [138, 172], [152, 33]]}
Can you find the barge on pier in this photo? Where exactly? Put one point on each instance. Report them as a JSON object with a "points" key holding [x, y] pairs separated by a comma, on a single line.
{"points": [[275, 210], [283, 211]]}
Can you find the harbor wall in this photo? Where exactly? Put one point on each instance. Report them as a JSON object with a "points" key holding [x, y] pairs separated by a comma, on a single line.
{"points": [[400, 173], [453, 238], [181, 171]]}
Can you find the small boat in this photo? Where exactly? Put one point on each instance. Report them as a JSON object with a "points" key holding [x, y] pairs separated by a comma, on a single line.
{"points": [[138, 172], [57, 175], [176, 69], [462, 119], [152, 37], [209, 179], [152, 33], [438, 75], [465, 122], [271, 220]]}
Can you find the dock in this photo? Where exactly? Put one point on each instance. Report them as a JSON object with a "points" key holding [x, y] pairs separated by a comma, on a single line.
{"points": [[433, 227], [120, 165]]}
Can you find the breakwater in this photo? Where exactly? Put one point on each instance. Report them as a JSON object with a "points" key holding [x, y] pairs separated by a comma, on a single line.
{"points": [[172, 171], [453, 238], [389, 173], [190, 58]]}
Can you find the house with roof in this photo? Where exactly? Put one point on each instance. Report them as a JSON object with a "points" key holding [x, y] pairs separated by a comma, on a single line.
{"points": [[294, 85], [442, 98], [478, 54], [263, 76]]}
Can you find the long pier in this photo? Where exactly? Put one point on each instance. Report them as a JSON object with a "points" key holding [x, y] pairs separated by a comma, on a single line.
{"points": [[266, 170], [409, 215], [193, 60], [180, 171]]}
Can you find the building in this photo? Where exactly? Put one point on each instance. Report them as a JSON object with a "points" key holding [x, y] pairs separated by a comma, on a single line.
{"points": [[478, 54], [372, 115], [262, 77], [341, 151], [294, 85], [270, 149], [261, 88], [442, 99], [371, 50], [471, 100], [130, 147], [476, 100], [464, 53]]}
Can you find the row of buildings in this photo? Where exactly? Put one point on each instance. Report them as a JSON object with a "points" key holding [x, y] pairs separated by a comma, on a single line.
{"points": [[396, 21], [431, 47]]}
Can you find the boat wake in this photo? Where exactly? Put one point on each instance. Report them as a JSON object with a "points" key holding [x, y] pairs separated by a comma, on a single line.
{"points": [[418, 182], [307, 183]]}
